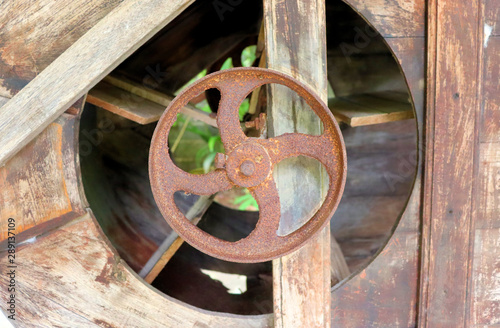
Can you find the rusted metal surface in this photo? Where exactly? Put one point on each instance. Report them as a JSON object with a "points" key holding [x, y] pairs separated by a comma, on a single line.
{"points": [[248, 163]]}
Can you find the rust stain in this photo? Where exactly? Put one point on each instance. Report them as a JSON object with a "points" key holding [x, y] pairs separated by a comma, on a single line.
{"points": [[22, 195], [102, 323], [111, 272], [249, 163]]}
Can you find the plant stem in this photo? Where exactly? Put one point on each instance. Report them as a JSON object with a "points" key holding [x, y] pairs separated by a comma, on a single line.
{"points": [[181, 133]]}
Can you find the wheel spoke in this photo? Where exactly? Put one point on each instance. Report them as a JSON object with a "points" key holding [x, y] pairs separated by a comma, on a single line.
{"points": [[296, 144], [266, 195], [199, 184], [233, 93]]}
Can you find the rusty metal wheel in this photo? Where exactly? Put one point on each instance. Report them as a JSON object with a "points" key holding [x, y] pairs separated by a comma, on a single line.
{"points": [[249, 163]]}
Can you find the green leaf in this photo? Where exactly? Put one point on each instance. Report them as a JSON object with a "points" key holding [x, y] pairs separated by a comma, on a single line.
{"points": [[207, 163], [227, 64], [212, 141], [248, 56], [248, 203], [244, 107]]}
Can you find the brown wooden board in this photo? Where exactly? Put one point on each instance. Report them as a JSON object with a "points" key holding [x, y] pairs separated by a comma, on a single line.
{"points": [[39, 187], [367, 109], [34, 33], [73, 278], [485, 302], [398, 18], [87, 61], [137, 102], [120, 102], [491, 13], [490, 119], [454, 45], [488, 180], [385, 293], [206, 32], [296, 45]]}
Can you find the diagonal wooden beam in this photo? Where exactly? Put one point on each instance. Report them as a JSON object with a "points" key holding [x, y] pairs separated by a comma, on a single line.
{"points": [[172, 243], [80, 67]]}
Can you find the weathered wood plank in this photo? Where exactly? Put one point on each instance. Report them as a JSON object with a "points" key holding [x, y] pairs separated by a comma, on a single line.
{"points": [[410, 53], [41, 182], [488, 202], [79, 68], [384, 294], [492, 12], [485, 305], [367, 109], [130, 100], [118, 101], [453, 107], [400, 18], [73, 273], [34, 33], [490, 120], [173, 242], [296, 45], [3, 100]]}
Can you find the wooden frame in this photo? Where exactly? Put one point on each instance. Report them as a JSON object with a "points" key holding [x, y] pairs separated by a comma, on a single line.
{"points": [[451, 217], [460, 211]]}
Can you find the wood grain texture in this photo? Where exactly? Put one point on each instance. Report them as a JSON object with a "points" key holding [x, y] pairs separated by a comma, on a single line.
{"points": [[41, 183], [118, 101], [139, 94], [488, 216], [73, 278], [454, 45], [385, 293], [79, 68], [398, 18], [34, 33], [484, 285], [410, 54], [485, 305], [173, 242], [490, 120], [492, 12], [368, 109], [3, 100], [114, 164], [296, 45]]}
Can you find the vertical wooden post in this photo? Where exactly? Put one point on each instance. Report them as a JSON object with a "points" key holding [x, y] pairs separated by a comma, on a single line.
{"points": [[296, 45], [453, 108]]}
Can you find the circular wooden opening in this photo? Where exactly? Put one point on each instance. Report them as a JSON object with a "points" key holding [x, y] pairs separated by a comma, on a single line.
{"points": [[369, 96]]}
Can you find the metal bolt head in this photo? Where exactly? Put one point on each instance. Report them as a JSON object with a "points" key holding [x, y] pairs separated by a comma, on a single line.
{"points": [[247, 168]]}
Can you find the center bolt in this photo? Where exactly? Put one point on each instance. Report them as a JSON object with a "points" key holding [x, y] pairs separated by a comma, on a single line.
{"points": [[247, 168]]}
